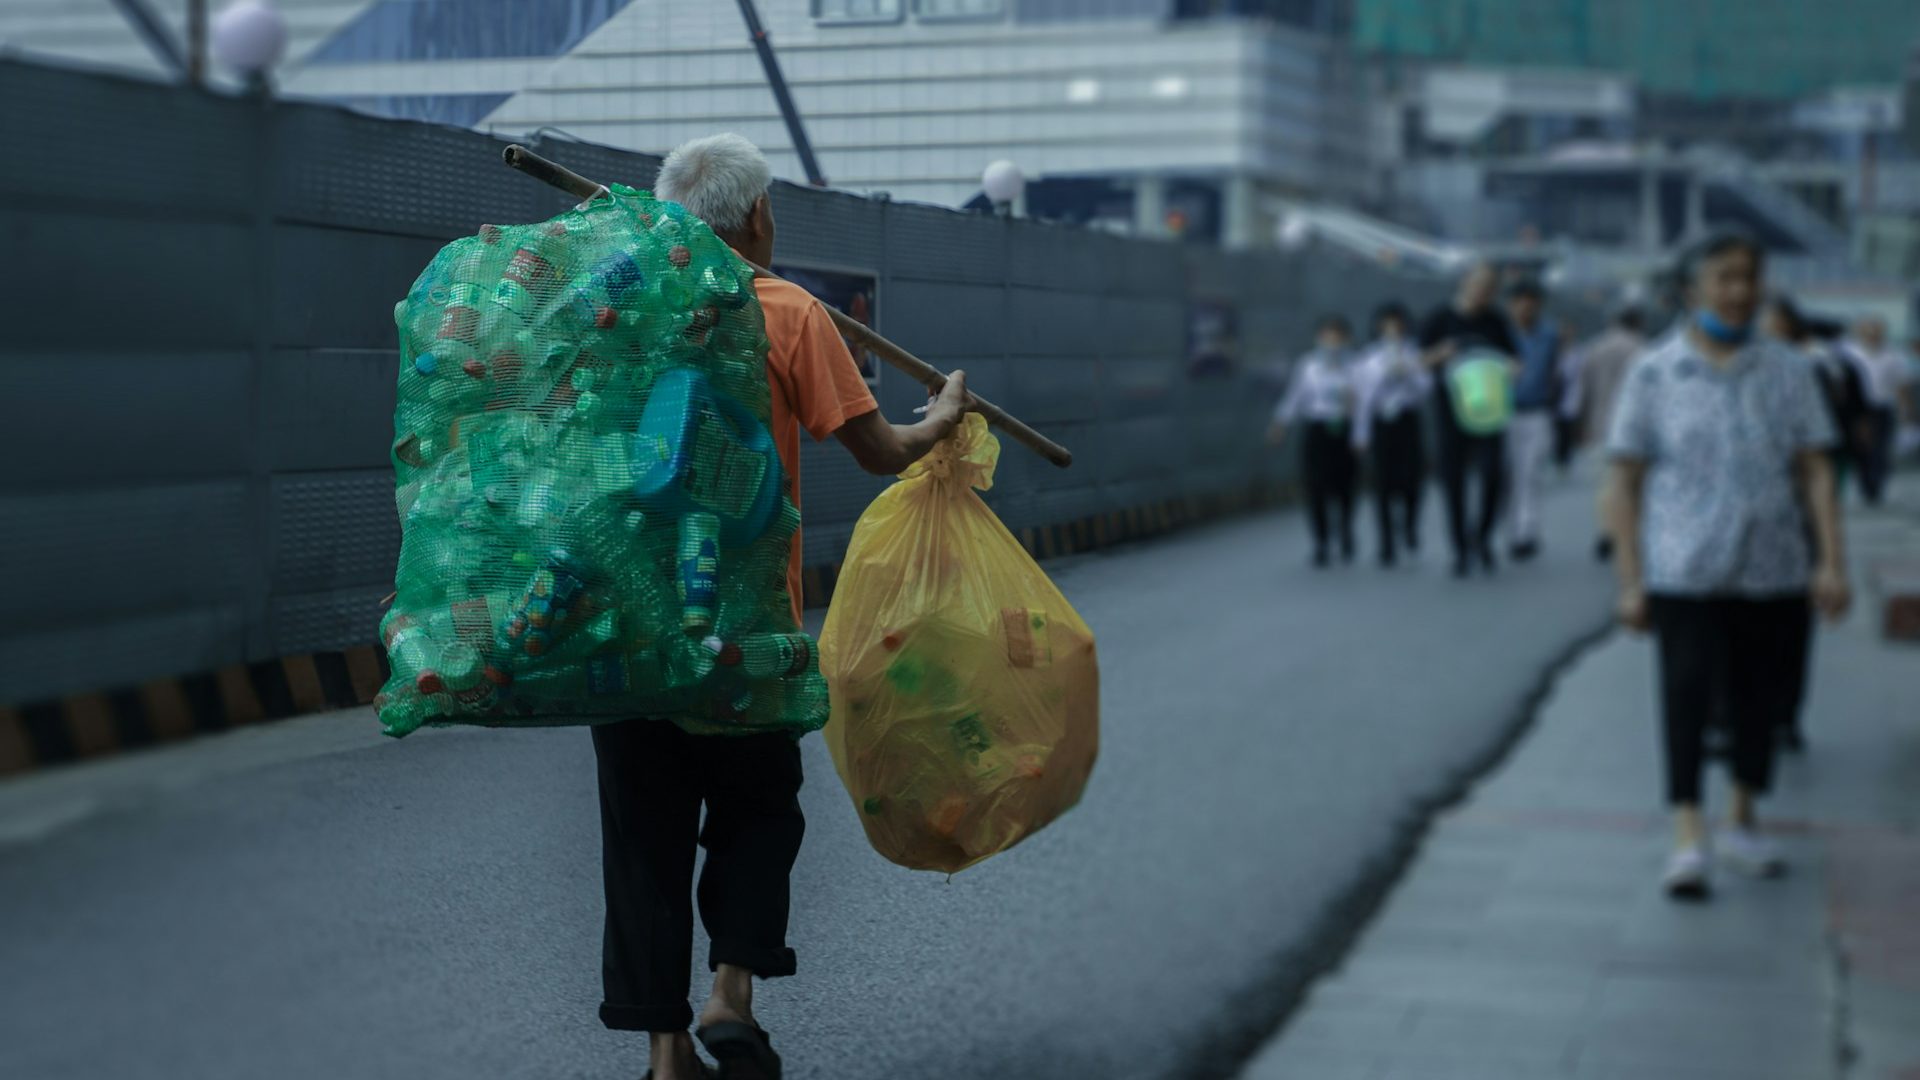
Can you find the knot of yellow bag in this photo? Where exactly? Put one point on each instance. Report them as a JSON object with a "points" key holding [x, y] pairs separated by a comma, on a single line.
{"points": [[970, 455]]}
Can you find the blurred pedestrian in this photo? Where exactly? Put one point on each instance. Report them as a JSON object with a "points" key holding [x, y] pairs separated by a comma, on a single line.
{"points": [[1536, 400], [654, 777], [1393, 389], [1324, 395], [1906, 439], [1603, 365], [1842, 386], [1569, 406], [1884, 377], [1720, 497], [1468, 326]]}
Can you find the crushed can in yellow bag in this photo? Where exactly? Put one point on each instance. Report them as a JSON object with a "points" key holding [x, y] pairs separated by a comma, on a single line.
{"points": [[965, 690]]}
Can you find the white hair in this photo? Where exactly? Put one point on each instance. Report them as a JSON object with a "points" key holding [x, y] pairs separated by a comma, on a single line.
{"points": [[717, 178]]}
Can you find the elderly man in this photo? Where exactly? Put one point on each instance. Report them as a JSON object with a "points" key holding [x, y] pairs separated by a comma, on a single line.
{"points": [[1718, 479], [655, 778]]}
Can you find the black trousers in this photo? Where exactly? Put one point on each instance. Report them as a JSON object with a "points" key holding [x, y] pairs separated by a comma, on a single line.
{"points": [[1876, 457], [1330, 468], [1742, 658], [1462, 457], [1796, 682], [1399, 478], [653, 779]]}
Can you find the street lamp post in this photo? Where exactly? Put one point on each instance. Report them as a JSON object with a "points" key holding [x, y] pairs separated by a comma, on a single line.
{"points": [[197, 42]]}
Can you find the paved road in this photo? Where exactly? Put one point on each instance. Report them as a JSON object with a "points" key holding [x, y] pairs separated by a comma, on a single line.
{"points": [[313, 901]]}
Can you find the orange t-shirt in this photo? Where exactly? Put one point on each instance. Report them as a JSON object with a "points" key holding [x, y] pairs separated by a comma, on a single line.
{"points": [[815, 384]]}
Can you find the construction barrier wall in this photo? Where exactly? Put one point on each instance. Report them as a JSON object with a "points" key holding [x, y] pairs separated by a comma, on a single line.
{"points": [[198, 357]]}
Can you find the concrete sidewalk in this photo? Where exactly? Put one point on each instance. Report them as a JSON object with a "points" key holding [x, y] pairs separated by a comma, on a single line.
{"points": [[1530, 938]]}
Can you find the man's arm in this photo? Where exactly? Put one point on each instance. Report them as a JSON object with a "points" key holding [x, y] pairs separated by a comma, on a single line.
{"points": [[1620, 511], [1290, 405], [1436, 348], [1369, 379], [1831, 593], [1437, 354], [885, 449]]}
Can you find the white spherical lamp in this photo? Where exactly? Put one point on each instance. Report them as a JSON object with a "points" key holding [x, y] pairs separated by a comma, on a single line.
{"points": [[1003, 182], [249, 37]]}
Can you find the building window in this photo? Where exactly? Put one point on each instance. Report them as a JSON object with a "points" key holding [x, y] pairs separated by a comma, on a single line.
{"points": [[395, 30], [1067, 10], [960, 9], [856, 11]]}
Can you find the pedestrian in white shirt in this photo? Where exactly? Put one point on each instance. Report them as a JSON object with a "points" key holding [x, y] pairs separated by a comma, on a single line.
{"points": [[1322, 396], [1393, 386], [1884, 375]]}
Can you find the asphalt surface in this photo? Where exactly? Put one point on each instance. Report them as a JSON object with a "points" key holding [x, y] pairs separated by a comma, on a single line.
{"points": [[311, 900]]}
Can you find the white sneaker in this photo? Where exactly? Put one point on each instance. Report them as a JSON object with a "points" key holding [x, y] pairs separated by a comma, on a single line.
{"points": [[1747, 851], [1686, 876]]}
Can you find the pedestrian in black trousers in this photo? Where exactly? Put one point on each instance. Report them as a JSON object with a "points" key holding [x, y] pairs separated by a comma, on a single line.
{"points": [[1393, 390], [1322, 393], [1469, 324], [1842, 390], [654, 777], [1720, 499], [1883, 376]]}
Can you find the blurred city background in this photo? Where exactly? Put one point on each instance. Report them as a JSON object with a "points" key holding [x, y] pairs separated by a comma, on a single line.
{"points": [[1125, 219]]}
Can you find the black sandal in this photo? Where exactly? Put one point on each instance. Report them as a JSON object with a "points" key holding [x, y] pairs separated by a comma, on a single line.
{"points": [[743, 1051]]}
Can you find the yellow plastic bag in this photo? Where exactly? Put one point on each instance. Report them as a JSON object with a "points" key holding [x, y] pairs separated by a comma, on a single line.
{"points": [[966, 695]]}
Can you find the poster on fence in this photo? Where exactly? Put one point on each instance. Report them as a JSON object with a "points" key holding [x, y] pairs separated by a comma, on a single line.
{"points": [[1213, 339], [851, 293]]}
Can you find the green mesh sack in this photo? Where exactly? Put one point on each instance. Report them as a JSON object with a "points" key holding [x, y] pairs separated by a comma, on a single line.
{"points": [[594, 522]]}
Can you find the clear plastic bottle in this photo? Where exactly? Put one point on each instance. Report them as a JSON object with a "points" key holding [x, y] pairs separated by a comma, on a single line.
{"points": [[769, 656], [414, 654], [699, 571]]}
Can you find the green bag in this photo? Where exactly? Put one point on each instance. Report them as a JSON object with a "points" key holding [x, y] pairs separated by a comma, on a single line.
{"points": [[1481, 385], [594, 522]]}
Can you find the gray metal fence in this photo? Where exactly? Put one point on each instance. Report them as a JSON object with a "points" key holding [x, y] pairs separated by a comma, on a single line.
{"points": [[197, 355]]}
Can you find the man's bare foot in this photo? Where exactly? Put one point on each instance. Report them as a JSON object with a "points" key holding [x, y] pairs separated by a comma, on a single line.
{"points": [[732, 1000], [673, 1057], [719, 1012]]}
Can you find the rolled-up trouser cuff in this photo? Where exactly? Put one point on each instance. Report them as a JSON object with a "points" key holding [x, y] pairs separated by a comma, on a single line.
{"points": [[646, 1017], [767, 963]]}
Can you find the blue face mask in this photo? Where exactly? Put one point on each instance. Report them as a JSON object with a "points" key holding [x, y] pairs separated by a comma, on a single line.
{"points": [[1711, 325]]}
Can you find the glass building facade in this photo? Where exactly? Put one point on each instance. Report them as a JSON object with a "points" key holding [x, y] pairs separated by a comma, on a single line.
{"points": [[1701, 49], [398, 30]]}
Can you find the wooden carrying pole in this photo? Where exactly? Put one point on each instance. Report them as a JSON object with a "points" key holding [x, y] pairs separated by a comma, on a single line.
{"points": [[919, 370]]}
